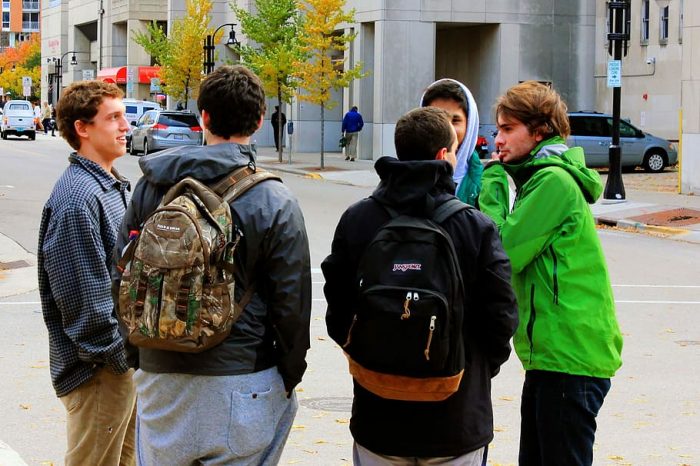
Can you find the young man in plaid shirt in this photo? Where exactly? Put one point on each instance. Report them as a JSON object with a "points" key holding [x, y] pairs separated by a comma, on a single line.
{"points": [[78, 231]]}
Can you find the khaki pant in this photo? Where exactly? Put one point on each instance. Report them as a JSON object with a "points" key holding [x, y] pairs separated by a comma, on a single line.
{"points": [[101, 421]]}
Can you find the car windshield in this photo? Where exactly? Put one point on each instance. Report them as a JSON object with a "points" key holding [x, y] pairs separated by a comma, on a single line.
{"points": [[177, 119], [18, 107]]}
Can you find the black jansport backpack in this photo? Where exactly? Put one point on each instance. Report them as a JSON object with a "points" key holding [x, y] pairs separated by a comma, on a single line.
{"points": [[405, 342]]}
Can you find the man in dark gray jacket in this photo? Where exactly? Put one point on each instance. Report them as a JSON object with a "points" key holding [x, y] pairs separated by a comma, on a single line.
{"points": [[234, 403]]}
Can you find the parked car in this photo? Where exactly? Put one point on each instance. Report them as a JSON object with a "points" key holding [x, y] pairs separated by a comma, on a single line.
{"points": [[593, 132], [134, 110], [18, 120], [161, 129]]}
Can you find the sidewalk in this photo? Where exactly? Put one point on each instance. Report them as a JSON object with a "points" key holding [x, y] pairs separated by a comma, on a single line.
{"points": [[652, 204]]}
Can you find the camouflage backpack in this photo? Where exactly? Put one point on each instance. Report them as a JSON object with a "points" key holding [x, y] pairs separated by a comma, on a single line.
{"points": [[177, 286]]}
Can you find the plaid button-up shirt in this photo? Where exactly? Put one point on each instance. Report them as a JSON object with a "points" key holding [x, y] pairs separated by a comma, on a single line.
{"points": [[79, 227]]}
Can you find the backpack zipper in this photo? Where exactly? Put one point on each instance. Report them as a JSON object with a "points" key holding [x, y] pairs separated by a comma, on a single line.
{"points": [[406, 311], [555, 278], [349, 338], [531, 320], [430, 337]]}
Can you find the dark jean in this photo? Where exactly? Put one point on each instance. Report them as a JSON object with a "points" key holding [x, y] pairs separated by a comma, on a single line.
{"points": [[558, 413]]}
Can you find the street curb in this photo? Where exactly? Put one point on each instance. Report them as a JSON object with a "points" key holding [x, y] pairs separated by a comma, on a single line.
{"points": [[293, 171], [631, 224]]}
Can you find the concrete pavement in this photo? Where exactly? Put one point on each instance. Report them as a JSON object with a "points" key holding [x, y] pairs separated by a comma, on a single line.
{"points": [[646, 194]]}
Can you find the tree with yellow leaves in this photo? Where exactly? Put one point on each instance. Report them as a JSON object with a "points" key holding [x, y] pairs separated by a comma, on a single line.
{"points": [[276, 50], [179, 53], [325, 45]]}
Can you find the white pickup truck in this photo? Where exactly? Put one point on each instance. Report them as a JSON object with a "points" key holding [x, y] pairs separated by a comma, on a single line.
{"points": [[18, 119]]}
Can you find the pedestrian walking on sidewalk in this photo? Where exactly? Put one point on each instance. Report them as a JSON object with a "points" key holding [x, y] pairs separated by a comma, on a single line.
{"points": [[568, 339], [455, 98], [351, 127], [455, 428], [233, 403], [46, 118], [78, 231]]}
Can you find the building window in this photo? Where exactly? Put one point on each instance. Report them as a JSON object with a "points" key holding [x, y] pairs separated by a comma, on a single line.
{"points": [[5, 6], [30, 21], [645, 22], [680, 23], [30, 4], [663, 25], [6, 20]]}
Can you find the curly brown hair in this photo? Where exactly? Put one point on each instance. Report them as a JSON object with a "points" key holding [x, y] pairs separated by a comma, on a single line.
{"points": [[80, 102], [539, 107]]}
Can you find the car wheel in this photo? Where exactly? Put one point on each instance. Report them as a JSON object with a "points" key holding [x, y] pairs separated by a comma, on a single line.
{"points": [[654, 161], [132, 150], [32, 137], [145, 147], [4, 135]]}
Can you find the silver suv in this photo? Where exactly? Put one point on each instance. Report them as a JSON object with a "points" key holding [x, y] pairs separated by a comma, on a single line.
{"points": [[593, 132], [162, 129]]}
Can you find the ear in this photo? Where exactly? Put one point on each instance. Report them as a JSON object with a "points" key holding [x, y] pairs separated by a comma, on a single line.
{"points": [[205, 119], [260, 122], [81, 128], [441, 154]]}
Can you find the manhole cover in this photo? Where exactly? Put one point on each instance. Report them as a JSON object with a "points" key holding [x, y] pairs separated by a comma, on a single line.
{"points": [[13, 265], [339, 404], [669, 218]]}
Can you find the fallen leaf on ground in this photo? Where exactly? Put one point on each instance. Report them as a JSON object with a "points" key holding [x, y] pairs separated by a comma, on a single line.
{"points": [[298, 427], [342, 421], [24, 406], [506, 398]]}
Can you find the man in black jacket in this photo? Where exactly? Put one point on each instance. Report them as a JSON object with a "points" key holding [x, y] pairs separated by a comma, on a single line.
{"points": [[234, 403], [456, 430]]}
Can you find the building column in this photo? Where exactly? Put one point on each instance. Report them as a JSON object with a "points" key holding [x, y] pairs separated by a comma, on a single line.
{"points": [[690, 100]]}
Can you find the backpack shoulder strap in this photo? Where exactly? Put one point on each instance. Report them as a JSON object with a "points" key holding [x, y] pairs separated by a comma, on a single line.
{"points": [[448, 209], [241, 180]]}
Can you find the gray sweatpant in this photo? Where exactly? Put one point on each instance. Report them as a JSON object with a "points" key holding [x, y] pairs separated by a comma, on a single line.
{"points": [[212, 420]]}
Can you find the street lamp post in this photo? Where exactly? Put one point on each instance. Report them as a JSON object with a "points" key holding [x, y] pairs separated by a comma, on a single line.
{"points": [[209, 46], [58, 72], [618, 35]]}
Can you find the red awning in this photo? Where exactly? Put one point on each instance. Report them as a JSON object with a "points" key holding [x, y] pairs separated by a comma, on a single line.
{"points": [[118, 75], [112, 75]]}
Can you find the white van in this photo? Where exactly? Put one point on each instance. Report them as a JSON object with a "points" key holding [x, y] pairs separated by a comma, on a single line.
{"points": [[18, 119], [134, 110]]}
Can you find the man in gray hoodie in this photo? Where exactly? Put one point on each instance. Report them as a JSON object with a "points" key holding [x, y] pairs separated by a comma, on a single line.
{"points": [[232, 404]]}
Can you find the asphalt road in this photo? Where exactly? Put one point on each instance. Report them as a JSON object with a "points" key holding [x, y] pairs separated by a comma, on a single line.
{"points": [[651, 416]]}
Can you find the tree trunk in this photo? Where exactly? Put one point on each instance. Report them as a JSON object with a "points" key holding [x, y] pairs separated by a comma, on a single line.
{"points": [[322, 131], [280, 128]]}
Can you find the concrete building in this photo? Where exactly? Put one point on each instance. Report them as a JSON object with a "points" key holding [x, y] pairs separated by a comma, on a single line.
{"points": [[20, 19], [660, 85]]}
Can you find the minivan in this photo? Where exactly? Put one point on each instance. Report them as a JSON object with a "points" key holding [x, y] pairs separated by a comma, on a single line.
{"points": [[161, 129], [18, 119]]}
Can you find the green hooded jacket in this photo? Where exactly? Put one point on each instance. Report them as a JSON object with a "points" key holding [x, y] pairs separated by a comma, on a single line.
{"points": [[567, 311], [470, 186]]}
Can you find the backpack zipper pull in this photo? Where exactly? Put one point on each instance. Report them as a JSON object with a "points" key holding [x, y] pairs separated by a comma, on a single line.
{"points": [[415, 296], [406, 311], [347, 341], [430, 337]]}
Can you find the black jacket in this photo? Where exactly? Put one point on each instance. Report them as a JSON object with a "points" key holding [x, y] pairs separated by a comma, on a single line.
{"points": [[463, 422], [274, 327]]}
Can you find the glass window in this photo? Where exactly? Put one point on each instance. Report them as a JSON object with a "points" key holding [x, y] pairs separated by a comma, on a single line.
{"points": [[663, 25], [5, 19], [645, 21], [627, 130], [178, 119], [589, 126]]}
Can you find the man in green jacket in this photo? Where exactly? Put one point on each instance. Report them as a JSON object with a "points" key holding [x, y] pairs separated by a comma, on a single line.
{"points": [[568, 339]]}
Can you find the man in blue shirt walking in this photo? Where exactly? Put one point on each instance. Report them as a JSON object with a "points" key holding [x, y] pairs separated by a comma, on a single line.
{"points": [[352, 125], [79, 227]]}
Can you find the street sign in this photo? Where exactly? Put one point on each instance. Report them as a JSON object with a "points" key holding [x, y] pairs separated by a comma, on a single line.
{"points": [[155, 85], [2, 91], [26, 91], [88, 75], [26, 81], [615, 73]]}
